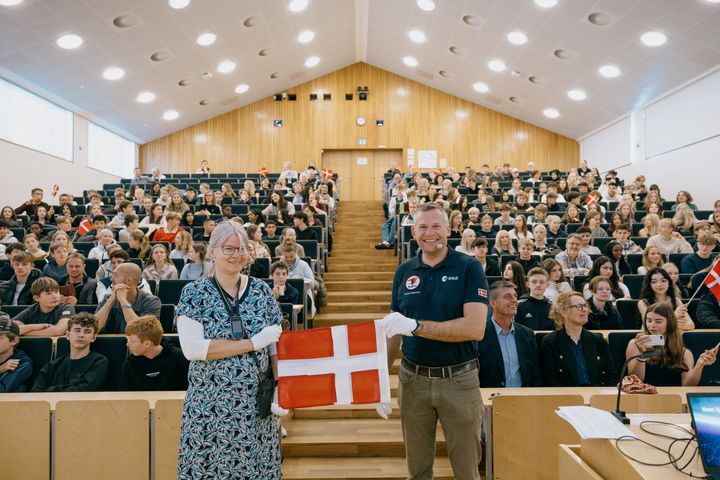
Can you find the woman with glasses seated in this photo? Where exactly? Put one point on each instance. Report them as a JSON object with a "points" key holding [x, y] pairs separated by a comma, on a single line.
{"points": [[572, 356]]}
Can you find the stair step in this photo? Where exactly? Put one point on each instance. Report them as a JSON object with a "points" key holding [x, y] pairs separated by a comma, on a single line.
{"points": [[359, 296], [351, 286], [381, 308], [365, 267], [389, 468], [348, 437], [341, 258]]}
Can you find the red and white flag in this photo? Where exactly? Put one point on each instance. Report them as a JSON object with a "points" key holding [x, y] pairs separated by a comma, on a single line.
{"points": [[55, 190], [593, 197], [712, 281], [340, 365], [327, 173], [262, 171], [85, 227]]}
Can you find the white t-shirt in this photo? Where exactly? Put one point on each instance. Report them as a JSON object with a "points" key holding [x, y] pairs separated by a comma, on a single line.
{"points": [[18, 289]]}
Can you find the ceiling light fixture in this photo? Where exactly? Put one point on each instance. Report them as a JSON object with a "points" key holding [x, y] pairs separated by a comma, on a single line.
{"points": [[226, 66], [410, 61], [206, 39], [551, 113], [297, 5], [69, 41], [178, 4], [113, 73], [576, 94], [546, 3], [312, 61], [10, 3], [170, 115], [653, 39], [427, 5], [145, 97], [242, 88], [481, 87], [609, 71], [306, 36], [497, 65], [417, 36], [517, 38]]}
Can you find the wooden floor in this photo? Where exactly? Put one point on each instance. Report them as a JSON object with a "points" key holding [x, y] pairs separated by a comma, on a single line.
{"points": [[353, 442]]}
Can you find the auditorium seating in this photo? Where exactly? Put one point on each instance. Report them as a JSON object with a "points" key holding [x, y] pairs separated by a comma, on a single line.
{"points": [[114, 348]]}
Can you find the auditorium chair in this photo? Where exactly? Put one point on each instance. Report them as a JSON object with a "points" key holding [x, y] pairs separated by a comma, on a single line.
{"points": [[169, 291], [179, 264], [628, 309], [634, 284], [697, 343], [167, 318], [113, 347], [39, 349], [618, 341], [602, 242]]}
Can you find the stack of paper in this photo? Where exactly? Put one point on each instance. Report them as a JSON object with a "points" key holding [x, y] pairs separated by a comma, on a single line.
{"points": [[591, 422]]}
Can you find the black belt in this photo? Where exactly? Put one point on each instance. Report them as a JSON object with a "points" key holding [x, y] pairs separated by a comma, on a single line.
{"points": [[441, 372]]}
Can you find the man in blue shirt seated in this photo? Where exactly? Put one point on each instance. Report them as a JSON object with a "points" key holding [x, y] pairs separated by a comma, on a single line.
{"points": [[508, 353]]}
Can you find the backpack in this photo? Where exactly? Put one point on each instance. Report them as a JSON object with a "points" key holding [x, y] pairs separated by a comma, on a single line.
{"points": [[321, 295]]}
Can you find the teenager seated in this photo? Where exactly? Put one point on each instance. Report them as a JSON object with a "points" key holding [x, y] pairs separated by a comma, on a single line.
{"points": [[507, 353], [514, 273], [32, 246], [605, 268], [81, 370], [658, 287], [159, 266], [533, 309], [486, 227], [702, 258], [585, 246], [138, 245], [282, 291], [668, 240], [99, 222], [504, 218], [183, 243], [56, 267], [6, 235], [47, 317], [556, 279], [603, 315], [503, 244], [126, 302], [676, 366], [203, 235], [106, 239], [651, 258], [480, 251], [15, 366], [154, 363], [170, 230], [572, 356], [78, 287], [553, 228], [288, 234], [197, 266], [16, 291], [593, 220], [466, 242]]}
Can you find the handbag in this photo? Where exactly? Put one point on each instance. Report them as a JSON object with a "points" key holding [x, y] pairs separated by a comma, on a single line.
{"points": [[266, 386]]}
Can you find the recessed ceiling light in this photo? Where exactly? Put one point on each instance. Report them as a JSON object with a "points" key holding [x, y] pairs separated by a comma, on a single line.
{"points": [[576, 94], [609, 71], [170, 115], [306, 36], [551, 113], [206, 39], [312, 61], [113, 73], [178, 4], [417, 36], [653, 39], [713, 1], [546, 3], [297, 5], [69, 41], [145, 97], [410, 61], [480, 87], [427, 5], [10, 3], [242, 88], [497, 65], [517, 38], [226, 66]]}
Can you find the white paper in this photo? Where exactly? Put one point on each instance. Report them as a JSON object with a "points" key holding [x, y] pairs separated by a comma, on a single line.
{"points": [[592, 422], [361, 160], [427, 159]]}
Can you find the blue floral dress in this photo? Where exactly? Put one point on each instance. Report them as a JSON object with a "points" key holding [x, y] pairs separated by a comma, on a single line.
{"points": [[221, 436]]}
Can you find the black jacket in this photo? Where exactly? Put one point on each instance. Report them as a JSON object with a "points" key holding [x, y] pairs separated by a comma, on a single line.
{"points": [[608, 319], [708, 312], [7, 289], [558, 365], [491, 267], [534, 313], [492, 367]]}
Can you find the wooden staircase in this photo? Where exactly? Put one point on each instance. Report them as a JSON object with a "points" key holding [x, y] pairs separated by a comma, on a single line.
{"points": [[352, 442]]}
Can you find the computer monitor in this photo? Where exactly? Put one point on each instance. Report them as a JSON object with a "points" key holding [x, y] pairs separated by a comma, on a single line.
{"points": [[705, 413]]}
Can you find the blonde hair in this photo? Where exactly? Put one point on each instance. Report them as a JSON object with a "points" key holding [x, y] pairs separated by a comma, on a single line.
{"points": [[684, 217], [503, 233], [186, 241], [560, 306]]}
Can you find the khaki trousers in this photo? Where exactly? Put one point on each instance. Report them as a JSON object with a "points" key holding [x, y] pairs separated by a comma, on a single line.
{"points": [[456, 403]]}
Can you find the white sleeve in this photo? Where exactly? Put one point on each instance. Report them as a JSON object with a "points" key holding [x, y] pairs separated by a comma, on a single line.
{"points": [[192, 338]]}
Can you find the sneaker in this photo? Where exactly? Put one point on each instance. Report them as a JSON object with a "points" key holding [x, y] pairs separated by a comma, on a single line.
{"points": [[383, 246], [283, 432]]}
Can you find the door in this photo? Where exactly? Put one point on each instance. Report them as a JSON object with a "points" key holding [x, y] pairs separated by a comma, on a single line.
{"points": [[360, 172]]}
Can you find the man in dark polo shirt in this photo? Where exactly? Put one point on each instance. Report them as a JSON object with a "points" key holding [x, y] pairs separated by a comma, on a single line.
{"points": [[127, 302], [439, 304]]}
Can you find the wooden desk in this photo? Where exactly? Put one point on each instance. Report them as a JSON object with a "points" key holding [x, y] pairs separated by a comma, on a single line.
{"points": [[594, 459], [531, 421]]}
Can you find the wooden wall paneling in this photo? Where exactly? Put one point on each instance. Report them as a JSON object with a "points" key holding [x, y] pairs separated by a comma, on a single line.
{"points": [[168, 416], [416, 116], [25, 452]]}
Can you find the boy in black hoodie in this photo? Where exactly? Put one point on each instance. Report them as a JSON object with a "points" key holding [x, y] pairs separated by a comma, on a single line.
{"points": [[81, 370], [153, 363], [533, 308], [16, 291]]}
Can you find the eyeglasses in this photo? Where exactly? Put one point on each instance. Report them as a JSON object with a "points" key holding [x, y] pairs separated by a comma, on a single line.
{"points": [[581, 307], [229, 250]]}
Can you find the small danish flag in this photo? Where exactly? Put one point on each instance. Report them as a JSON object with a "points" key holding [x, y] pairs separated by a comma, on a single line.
{"points": [[712, 281], [55, 190], [262, 171], [592, 197], [327, 173]]}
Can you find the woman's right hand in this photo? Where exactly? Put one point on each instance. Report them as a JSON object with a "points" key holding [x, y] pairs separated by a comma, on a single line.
{"points": [[266, 336], [641, 341]]}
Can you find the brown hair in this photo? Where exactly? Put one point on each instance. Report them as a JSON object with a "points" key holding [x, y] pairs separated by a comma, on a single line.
{"points": [[84, 319], [674, 347], [44, 284]]}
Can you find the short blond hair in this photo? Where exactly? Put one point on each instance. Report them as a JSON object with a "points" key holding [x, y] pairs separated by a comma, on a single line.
{"points": [[560, 306]]}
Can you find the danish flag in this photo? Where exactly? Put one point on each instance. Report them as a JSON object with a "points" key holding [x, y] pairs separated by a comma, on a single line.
{"points": [[262, 171], [340, 365], [327, 173], [712, 281], [592, 197], [55, 190], [85, 227]]}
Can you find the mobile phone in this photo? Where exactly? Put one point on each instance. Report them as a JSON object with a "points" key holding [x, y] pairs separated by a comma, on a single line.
{"points": [[656, 341]]}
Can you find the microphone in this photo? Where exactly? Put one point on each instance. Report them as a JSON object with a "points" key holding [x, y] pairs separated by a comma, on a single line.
{"points": [[440, 246], [619, 414]]}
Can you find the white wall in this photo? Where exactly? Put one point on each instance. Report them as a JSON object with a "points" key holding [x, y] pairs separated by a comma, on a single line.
{"points": [[674, 141], [24, 169]]}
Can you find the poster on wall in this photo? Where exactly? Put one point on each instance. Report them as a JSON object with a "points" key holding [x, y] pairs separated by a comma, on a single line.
{"points": [[410, 157], [427, 159]]}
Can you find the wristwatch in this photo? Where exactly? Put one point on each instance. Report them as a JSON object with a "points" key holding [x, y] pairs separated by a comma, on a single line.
{"points": [[126, 305], [416, 330]]}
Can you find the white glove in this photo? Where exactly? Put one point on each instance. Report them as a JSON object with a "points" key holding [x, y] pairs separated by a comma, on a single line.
{"points": [[275, 407], [266, 336], [383, 409], [398, 324]]}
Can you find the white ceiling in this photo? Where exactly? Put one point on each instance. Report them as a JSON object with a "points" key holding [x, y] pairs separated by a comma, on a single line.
{"points": [[347, 31]]}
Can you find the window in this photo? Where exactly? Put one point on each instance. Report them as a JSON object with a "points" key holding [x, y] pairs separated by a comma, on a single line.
{"points": [[33, 122], [109, 152]]}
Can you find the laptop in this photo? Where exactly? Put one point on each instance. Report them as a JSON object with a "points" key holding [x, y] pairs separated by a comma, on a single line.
{"points": [[705, 413]]}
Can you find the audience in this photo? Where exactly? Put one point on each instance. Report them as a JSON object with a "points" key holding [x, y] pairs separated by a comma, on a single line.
{"points": [[603, 267], [701, 259], [197, 266], [603, 315], [658, 287], [47, 317], [533, 309], [16, 291], [282, 291], [668, 241], [78, 287], [16, 366], [126, 302], [159, 266], [572, 260]]}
